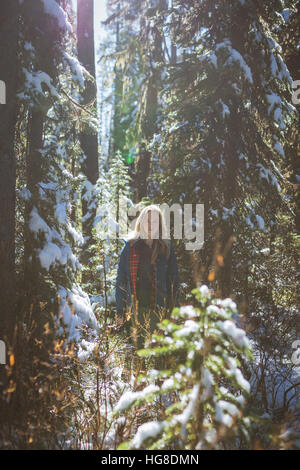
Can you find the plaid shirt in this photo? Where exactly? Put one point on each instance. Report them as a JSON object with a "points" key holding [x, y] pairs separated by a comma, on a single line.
{"points": [[134, 259]]}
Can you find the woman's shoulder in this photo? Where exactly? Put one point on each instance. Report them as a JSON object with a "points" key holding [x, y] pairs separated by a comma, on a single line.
{"points": [[129, 242]]}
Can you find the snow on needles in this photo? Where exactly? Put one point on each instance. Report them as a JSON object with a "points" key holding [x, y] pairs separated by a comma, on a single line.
{"points": [[236, 57], [145, 431], [75, 307], [52, 8], [76, 312], [76, 68], [237, 334], [33, 84], [225, 411], [129, 397], [55, 250]]}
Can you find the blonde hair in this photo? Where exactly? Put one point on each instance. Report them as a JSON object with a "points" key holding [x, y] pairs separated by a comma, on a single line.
{"points": [[159, 245]]}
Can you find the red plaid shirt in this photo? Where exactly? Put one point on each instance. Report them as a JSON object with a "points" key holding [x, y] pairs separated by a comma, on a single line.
{"points": [[134, 259]]}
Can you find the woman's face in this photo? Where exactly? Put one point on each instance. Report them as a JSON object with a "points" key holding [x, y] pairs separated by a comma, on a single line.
{"points": [[150, 225]]}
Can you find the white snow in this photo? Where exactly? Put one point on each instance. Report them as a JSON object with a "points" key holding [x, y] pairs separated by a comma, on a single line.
{"points": [[264, 173], [188, 310], [76, 311], [207, 381], [24, 194], [156, 139], [33, 84], [273, 45], [242, 382], [129, 397], [49, 255], [210, 57], [204, 290], [228, 303], [76, 68], [168, 384], [61, 211], [225, 110], [213, 309], [237, 334], [225, 411], [145, 431], [273, 99], [275, 107], [86, 348], [36, 223], [260, 221], [236, 57], [176, 126], [279, 149], [51, 7], [75, 306], [77, 237], [28, 46], [286, 14], [190, 326], [284, 72], [188, 411]]}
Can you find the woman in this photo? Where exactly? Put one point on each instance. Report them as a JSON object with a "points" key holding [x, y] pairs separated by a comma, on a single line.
{"points": [[147, 279]]}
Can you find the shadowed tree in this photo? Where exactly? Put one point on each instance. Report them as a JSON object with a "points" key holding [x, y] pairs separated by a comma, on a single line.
{"points": [[88, 137], [289, 40], [150, 106], [86, 55], [9, 69]]}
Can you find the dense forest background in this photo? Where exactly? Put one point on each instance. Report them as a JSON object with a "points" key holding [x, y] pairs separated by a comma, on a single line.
{"points": [[183, 102]]}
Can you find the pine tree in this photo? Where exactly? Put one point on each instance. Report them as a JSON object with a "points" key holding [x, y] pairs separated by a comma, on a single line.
{"points": [[9, 75], [51, 241], [200, 386], [229, 112], [227, 138], [152, 37], [113, 194], [140, 62], [288, 34], [89, 134]]}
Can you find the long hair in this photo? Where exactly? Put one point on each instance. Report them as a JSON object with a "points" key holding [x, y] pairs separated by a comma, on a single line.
{"points": [[160, 244]]}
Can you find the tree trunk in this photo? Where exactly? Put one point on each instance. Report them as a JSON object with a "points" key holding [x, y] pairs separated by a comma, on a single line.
{"points": [[8, 67], [88, 141], [118, 139], [143, 164], [86, 55], [33, 177]]}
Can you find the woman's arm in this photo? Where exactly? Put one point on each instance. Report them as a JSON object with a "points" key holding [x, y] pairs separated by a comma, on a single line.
{"points": [[172, 281]]}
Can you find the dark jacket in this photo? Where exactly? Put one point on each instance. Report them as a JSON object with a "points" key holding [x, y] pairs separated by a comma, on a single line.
{"points": [[166, 277]]}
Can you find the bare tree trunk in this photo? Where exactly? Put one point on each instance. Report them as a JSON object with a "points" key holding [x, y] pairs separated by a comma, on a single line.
{"points": [[143, 164], [88, 141], [86, 55], [8, 116], [118, 95]]}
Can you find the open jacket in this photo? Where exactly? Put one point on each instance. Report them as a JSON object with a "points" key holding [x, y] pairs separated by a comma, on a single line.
{"points": [[165, 279]]}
